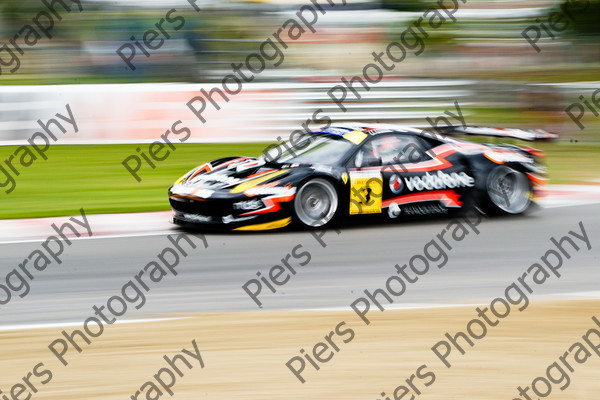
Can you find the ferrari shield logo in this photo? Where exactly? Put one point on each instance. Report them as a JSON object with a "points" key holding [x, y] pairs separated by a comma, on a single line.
{"points": [[365, 193]]}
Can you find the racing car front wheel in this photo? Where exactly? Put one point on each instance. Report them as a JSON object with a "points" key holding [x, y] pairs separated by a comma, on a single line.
{"points": [[508, 191], [316, 203]]}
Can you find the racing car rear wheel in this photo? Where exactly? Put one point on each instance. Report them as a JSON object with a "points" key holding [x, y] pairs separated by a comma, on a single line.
{"points": [[508, 190], [316, 203]]}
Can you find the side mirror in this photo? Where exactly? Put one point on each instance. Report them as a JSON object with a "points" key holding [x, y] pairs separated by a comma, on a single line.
{"points": [[373, 162]]}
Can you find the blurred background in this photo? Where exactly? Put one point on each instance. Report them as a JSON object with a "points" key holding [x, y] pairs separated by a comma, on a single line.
{"points": [[481, 60]]}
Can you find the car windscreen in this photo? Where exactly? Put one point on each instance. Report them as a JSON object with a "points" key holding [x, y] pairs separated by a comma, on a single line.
{"points": [[313, 149]]}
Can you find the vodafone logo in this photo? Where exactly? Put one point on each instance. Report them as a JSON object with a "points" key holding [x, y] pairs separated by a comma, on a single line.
{"points": [[440, 180], [396, 184]]}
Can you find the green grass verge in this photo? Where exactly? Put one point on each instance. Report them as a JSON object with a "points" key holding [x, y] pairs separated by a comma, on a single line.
{"points": [[92, 176], [572, 163]]}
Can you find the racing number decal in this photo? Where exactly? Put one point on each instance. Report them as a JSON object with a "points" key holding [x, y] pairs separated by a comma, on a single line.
{"points": [[366, 191]]}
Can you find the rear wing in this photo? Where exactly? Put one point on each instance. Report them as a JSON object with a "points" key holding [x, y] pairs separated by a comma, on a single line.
{"points": [[512, 133]]}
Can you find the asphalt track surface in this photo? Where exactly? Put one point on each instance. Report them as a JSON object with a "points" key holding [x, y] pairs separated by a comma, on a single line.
{"points": [[360, 257]]}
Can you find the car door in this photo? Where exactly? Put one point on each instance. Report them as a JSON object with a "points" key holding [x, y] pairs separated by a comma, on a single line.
{"points": [[426, 178], [368, 173], [403, 174]]}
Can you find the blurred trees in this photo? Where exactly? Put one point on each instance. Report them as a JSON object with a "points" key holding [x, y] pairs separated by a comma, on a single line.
{"points": [[406, 5], [585, 22], [16, 13]]}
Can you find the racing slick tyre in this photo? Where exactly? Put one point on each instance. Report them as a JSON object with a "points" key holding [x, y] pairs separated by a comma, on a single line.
{"points": [[316, 203], [508, 192]]}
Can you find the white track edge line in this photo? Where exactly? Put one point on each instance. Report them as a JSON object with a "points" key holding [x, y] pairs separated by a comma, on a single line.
{"points": [[26, 327]]}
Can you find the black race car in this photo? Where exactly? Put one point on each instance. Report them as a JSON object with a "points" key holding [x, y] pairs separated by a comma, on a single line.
{"points": [[356, 169]]}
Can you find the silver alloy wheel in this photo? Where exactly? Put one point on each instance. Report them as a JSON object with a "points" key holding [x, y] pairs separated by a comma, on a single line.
{"points": [[509, 190], [316, 203]]}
